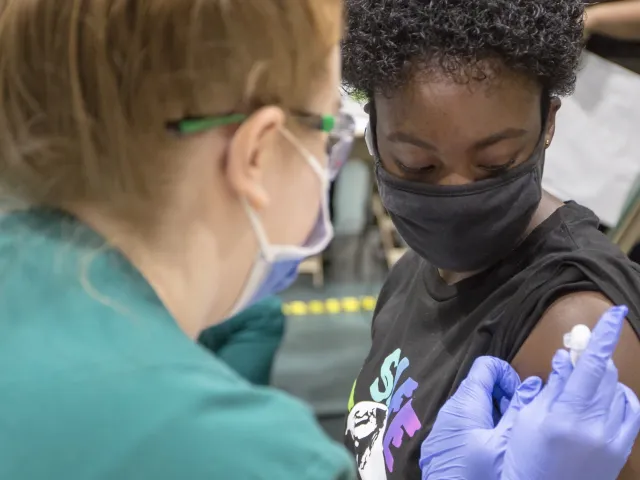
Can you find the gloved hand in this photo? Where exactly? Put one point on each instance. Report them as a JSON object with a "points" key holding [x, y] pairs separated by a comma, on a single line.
{"points": [[464, 442], [583, 423]]}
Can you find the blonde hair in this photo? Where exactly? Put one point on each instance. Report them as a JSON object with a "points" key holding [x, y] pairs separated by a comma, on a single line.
{"points": [[87, 86]]}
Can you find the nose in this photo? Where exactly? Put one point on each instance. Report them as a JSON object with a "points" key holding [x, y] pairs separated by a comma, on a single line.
{"points": [[454, 179]]}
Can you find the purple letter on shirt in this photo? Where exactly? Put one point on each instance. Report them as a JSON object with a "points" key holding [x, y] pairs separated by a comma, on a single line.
{"points": [[405, 391], [405, 421]]}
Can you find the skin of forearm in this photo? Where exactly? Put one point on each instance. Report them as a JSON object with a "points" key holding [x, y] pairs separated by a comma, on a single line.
{"points": [[619, 20]]}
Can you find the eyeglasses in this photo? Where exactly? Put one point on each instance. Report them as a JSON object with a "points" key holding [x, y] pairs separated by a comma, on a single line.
{"points": [[341, 130]]}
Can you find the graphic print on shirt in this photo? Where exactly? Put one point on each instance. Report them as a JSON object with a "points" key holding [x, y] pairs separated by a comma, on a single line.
{"points": [[379, 426]]}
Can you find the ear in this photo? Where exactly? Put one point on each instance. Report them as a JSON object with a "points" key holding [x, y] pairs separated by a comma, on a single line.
{"points": [[555, 105], [245, 163]]}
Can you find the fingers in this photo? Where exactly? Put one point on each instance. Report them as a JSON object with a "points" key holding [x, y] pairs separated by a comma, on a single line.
{"points": [[616, 414], [472, 403], [592, 366], [527, 391], [493, 374], [561, 369], [525, 394], [631, 423], [502, 398], [598, 406], [608, 387], [606, 333], [504, 405]]}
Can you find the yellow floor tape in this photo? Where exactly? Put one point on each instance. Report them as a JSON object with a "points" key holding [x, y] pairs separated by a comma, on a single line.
{"points": [[330, 306]]}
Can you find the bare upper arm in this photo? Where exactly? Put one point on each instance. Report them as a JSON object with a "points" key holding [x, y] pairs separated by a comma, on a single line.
{"points": [[534, 357]]}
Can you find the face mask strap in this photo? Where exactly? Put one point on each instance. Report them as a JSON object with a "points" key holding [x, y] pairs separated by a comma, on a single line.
{"points": [[322, 173], [271, 252], [545, 107], [373, 120], [261, 234]]}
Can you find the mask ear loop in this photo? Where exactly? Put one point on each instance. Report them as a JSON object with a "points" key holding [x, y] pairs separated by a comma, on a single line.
{"points": [[267, 250], [263, 241], [322, 173], [261, 234], [545, 108], [373, 148], [325, 183]]}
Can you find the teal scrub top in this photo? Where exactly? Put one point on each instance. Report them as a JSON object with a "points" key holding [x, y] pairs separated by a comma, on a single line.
{"points": [[249, 341], [98, 381]]}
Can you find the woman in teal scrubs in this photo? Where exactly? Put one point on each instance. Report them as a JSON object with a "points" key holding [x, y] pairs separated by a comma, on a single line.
{"points": [[164, 165], [166, 169]]}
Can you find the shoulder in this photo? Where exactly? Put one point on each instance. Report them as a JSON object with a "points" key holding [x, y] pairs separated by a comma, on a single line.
{"points": [[193, 423], [534, 357], [579, 284], [573, 274]]}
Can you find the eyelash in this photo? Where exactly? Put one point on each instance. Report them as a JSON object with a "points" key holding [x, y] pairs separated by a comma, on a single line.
{"points": [[500, 168], [413, 171], [497, 169]]}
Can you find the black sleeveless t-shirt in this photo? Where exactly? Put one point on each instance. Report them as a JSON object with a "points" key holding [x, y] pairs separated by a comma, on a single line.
{"points": [[426, 334]]}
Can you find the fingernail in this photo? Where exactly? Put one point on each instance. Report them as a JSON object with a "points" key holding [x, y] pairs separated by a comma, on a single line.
{"points": [[619, 311], [532, 384], [536, 383], [504, 405], [561, 360]]}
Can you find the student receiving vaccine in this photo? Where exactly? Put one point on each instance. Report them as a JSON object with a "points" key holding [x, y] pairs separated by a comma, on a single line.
{"points": [[165, 164], [463, 98]]}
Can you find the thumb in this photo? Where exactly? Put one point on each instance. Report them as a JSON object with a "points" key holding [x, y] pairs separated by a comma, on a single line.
{"points": [[490, 373], [525, 394], [472, 404]]}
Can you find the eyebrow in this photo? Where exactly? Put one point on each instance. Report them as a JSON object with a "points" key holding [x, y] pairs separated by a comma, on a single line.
{"points": [[509, 133], [401, 137]]}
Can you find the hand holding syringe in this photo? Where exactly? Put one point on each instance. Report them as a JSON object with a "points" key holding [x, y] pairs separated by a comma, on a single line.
{"points": [[581, 425]]}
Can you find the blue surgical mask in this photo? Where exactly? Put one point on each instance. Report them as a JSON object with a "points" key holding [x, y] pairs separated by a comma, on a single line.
{"points": [[276, 266]]}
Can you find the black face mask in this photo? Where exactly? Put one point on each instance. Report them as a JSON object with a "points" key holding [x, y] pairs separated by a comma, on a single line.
{"points": [[463, 228]]}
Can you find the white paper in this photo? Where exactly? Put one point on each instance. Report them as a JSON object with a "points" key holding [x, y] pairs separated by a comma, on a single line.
{"points": [[595, 155]]}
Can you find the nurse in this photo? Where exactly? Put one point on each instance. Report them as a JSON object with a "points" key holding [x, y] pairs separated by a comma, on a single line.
{"points": [[164, 165]]}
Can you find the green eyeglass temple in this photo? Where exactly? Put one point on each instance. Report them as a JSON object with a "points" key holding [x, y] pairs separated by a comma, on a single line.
{"points": [[325, 123]]}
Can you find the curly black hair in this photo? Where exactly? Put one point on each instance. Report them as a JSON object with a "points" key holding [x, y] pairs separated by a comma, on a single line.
{"points": [[387, 41]]}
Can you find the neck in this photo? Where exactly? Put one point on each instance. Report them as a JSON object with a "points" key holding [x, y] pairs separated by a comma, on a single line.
{"points": [[172, 262], [184, 280], [450, 277]]}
